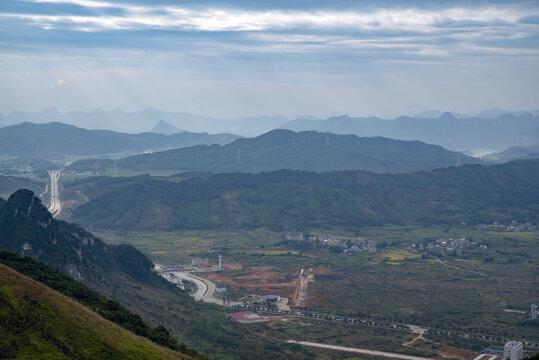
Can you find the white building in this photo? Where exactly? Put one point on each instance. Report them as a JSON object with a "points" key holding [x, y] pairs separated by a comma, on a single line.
{"points": [[534, 312], [513, 350]]}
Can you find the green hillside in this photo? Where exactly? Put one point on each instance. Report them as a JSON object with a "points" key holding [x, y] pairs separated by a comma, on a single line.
{"points": [[309, 150], [109, 309], [292, 199], [37, 322]]}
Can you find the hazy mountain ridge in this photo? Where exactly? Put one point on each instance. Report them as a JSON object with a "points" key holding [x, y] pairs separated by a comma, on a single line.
{"points": [[514, 153], [308, 150], [57, 140], [292, 199], [448, 131], [145, 120]]}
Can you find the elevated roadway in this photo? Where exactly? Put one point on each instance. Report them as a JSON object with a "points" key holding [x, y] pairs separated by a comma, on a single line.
{"points": [[55, 206]]}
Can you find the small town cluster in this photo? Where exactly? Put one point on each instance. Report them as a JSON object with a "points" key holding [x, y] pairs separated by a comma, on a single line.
{"points": [[449, 246], [514, 226], [348, 245]]}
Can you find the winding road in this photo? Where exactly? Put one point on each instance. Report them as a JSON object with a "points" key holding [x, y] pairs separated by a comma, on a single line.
{"points": [[205, 289]]}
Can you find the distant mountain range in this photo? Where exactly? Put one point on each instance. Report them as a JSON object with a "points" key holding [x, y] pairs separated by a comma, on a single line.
{"points": [[491, 113], [514, 153], [464, 134], [452, 131], [308, 150], [145, 120], [59, 141]]}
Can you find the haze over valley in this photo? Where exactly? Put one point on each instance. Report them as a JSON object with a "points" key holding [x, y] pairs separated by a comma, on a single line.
{"points": [[269, 180]]}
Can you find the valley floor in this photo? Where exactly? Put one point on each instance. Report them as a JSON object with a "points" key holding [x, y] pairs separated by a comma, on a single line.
{"points": [[358, 300]]}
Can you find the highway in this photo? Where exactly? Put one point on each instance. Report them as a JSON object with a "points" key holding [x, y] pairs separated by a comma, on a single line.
{"points": [[205, 288], [55, 206], [358, 351]]}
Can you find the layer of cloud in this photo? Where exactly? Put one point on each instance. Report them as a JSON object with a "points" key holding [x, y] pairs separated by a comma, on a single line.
{"points": [[243, 59], [214, 19]]}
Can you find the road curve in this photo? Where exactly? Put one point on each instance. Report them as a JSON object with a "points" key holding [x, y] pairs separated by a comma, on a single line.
{"points": [[205, 288]]}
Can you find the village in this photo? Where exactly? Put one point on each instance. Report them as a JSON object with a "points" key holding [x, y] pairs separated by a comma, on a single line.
{"points": [[514, 226], [347, 245], [449, 246]]}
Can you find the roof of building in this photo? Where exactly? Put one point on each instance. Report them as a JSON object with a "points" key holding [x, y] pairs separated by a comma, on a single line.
{"points": [[247, 316]]}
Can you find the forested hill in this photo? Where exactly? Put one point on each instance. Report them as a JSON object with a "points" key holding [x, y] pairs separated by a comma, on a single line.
{"points": [[27, 228], [308, 150], [57, 141], [293, 199]]}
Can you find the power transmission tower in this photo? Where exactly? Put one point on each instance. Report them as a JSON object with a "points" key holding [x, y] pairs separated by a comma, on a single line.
{"points": [[238, 156]]}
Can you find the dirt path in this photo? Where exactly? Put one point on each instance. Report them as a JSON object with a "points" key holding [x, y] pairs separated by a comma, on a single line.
{"points": [[300, 296], [409, 343], [458, 268]]}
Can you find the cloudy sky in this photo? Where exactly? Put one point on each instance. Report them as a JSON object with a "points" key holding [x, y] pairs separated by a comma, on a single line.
{"points": [[243, 58]]}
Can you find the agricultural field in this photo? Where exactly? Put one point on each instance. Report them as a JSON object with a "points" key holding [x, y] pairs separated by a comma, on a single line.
{"points": [[396, 283]]}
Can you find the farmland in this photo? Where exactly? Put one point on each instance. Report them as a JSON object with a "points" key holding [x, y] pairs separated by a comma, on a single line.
{"points": [[396, 283]]}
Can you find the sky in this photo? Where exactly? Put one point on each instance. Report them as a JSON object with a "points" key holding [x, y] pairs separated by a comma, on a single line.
{"points": [[248, 58]]}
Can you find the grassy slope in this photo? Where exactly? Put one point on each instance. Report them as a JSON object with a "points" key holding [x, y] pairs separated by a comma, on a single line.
{"points": [[109, 309], [38, 322]]}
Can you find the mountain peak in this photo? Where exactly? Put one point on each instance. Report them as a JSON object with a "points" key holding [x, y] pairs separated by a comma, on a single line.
{"points": [[24, 203], [163, 127], [447, 116]]}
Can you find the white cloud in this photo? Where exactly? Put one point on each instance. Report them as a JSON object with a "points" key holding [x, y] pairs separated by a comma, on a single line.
{"points": [[179, 18], [61, 82]]}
